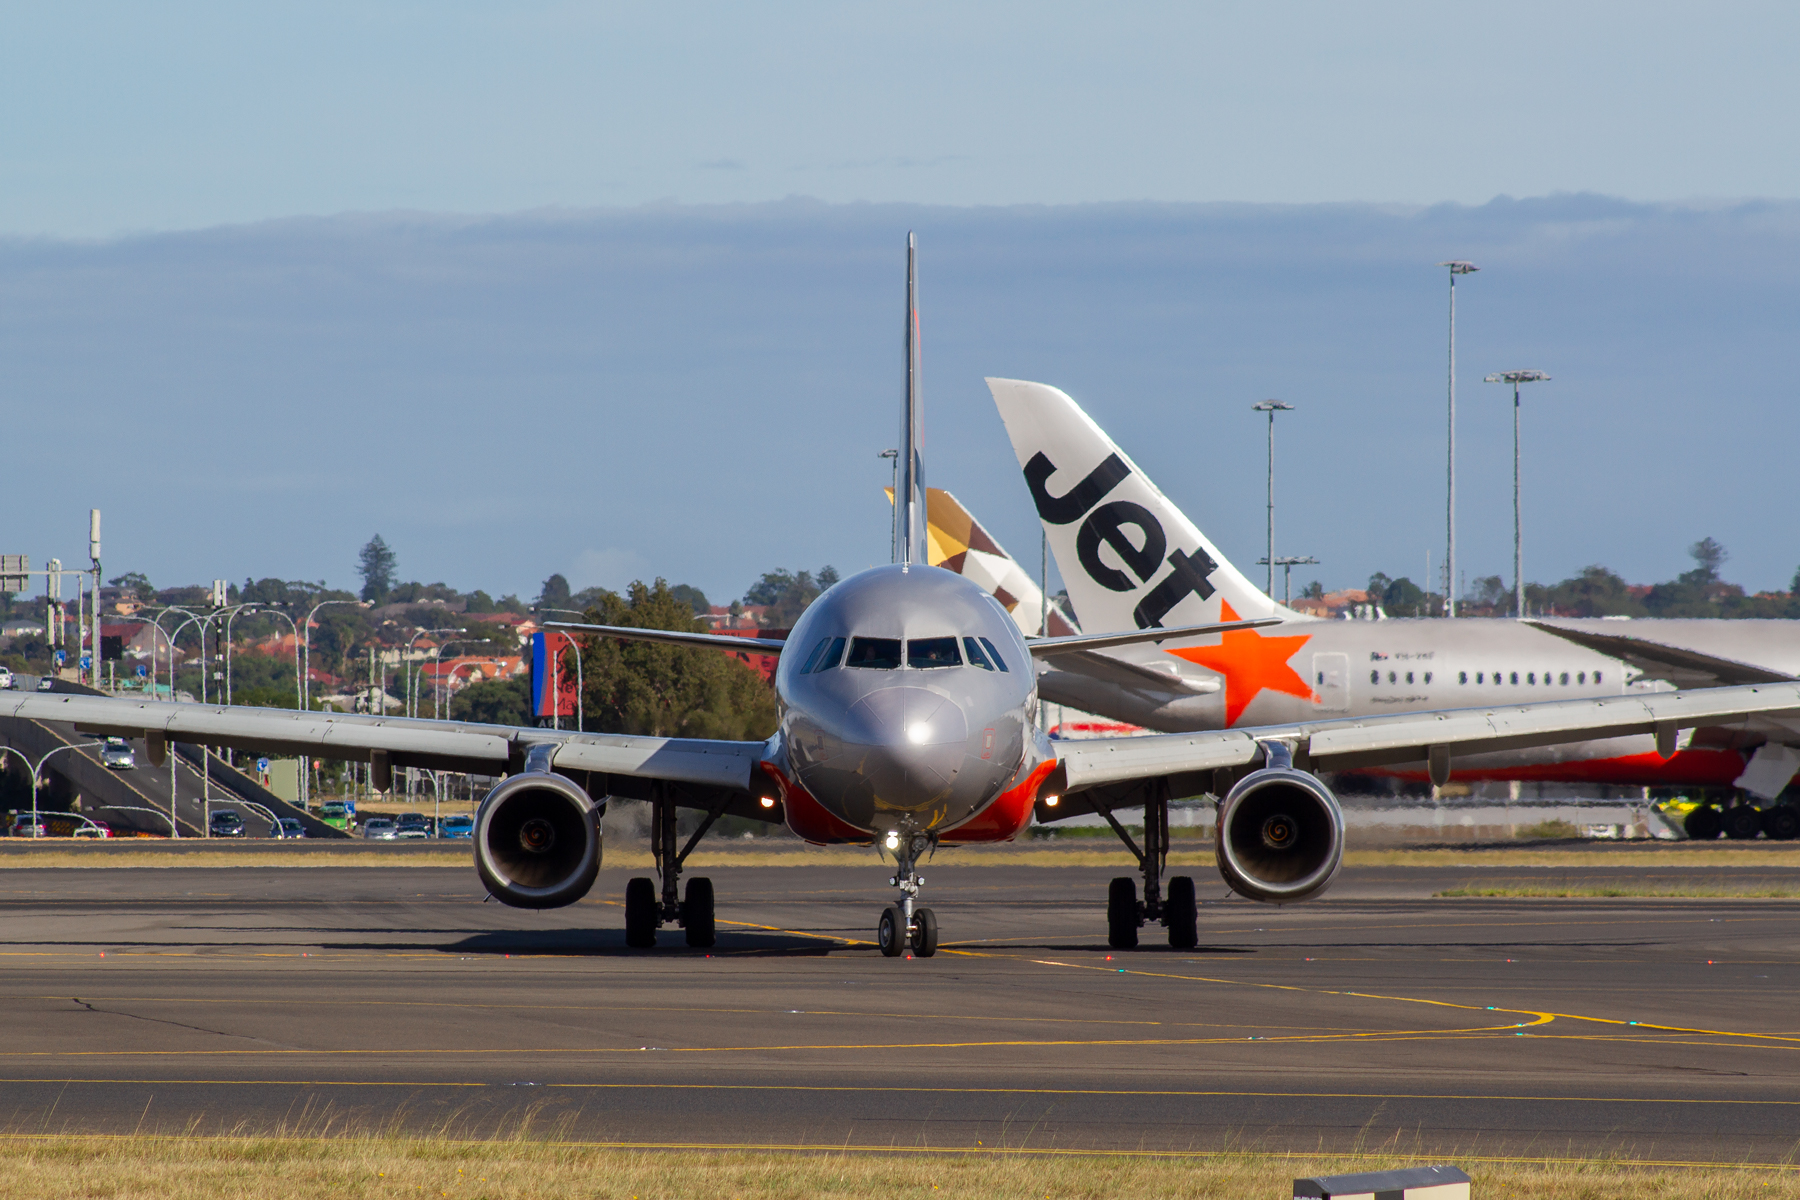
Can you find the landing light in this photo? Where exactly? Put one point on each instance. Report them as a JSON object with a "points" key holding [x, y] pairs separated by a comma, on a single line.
{"points": [[918, 733], [1051, 801], [766, 801], [893, 840]]}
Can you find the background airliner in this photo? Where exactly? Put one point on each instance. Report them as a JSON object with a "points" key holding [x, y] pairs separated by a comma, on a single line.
{"points": [[907, 720], [1132, 559]]}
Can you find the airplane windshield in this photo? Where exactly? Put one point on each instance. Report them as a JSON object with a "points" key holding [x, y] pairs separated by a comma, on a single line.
{"points": [[828, 653], [876, 654], [994, 654], [932, 652], [972, 648]]}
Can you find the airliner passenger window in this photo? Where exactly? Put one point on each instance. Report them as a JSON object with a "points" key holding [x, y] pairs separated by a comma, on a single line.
{"points": [[993, 654], [1565, 679], [829, 658], [922, 653], [1531, 677], [1409, 677], [1515, 677], [1596, 677], [1480, 677], [876, 654], [1428, 677], [1581, 678], [1392, 678], [1463, 677], [1374, 676], [972, 648]]}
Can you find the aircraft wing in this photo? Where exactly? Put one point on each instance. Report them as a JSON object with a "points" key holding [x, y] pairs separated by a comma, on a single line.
{"points": [[1682, 667], [673, 637], [1436, 737], [701, 767]]}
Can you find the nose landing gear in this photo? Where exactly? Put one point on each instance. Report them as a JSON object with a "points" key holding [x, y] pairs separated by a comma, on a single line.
{"points": [[904, 927]]}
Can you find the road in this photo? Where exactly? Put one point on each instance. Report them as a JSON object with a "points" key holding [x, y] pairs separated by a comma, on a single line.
{"points": [[248, 998]]}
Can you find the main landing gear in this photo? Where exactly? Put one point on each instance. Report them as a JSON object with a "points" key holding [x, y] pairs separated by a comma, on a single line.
{"points": [[904, 927], [1179, 911], [644, 911]]}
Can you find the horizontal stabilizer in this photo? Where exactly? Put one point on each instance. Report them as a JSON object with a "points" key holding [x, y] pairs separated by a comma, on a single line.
{"points": [[674, 637], [1680, 666]]}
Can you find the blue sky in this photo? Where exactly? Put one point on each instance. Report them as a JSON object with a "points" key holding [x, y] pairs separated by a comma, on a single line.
{"points": [[614, 291]]}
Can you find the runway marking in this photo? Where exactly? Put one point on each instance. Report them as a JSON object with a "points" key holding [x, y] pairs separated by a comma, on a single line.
{"points": [[1178, 1093], [1026, 1152]]}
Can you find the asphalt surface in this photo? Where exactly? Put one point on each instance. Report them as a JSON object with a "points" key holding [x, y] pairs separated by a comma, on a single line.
{"points": [[217, 998]]}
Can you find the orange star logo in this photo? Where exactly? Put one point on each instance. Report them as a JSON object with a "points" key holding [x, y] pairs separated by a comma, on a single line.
{"points": [[1250, 663]]}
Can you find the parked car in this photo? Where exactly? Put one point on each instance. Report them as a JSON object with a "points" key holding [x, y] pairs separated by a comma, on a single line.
{"points": [[459, 826], [6, 679], [288, 827], [92, 829], [24, 825], [227, 823], [334, 814], [379, 829], [412, 827], [116, 755]]}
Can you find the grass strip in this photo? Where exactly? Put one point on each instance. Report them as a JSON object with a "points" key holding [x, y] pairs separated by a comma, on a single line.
{"points": [[43, 1167], [1648, 891]]}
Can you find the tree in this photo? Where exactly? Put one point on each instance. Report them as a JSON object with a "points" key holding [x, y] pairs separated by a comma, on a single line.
{"points": [[493, 702], [134, 583], [1491, 591], [1313, 591], [554, 593], [375, 563], [691, 596], [669, 691], [1708, 557], [1402, 595], [787, 594], [1794, 587]]}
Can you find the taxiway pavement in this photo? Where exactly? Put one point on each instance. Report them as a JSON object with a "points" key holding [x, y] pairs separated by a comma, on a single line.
{"points": [[218, 998]]}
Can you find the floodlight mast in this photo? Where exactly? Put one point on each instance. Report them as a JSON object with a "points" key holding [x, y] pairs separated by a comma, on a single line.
{"points": [[1516, 378], [1271, 407], [1457, 267]]}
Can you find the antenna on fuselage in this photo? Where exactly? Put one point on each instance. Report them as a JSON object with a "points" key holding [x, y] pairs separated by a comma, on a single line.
{"points": [[909, 497]]}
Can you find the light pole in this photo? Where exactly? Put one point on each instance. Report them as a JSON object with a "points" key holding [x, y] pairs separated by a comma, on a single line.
{"points": [[306, 693], [1457, 267], [894, 491], [1287, 563], [469, 662], [580, 696], [35, 767], [1516, 378], [1271, 407], [411, 704]]}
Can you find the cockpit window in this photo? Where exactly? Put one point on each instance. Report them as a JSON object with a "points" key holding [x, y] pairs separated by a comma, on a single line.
{"points": [[932, 652], [876, 654], [994, 654], [977, 658], [824, 656]]}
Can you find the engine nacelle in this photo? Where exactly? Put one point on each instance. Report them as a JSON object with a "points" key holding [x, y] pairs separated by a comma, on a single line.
{"points": [[1280, 836], [537, 841]]}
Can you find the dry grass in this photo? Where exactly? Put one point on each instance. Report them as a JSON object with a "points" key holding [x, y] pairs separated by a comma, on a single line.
{"points": [[1618, 854], [53, 1167], [1649, 890]]}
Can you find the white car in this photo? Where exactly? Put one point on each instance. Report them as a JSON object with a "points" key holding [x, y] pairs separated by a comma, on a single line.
{"points": [[116, 755], [6, 679]]}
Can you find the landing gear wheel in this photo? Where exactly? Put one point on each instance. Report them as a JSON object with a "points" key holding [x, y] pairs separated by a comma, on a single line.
{"points": [[1781, 823], [1182, 914], [1122, 914], [640, 914], [924, 934], [1703, 824], [1742, 822], [890, 935], [697, 913]]}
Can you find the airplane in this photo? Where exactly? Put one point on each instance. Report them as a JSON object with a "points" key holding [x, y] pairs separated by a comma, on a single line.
{"points": [[1113, 533], [907, 721]]}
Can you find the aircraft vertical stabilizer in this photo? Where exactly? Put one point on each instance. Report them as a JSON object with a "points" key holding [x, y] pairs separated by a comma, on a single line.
{"points": [[1130, 557], [957, 542]]}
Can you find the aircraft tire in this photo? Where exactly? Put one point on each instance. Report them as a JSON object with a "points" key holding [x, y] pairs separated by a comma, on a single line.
{"points": [[1182, 914], [1122, 914], [640, 914], [890, 933], [925, 932], [697, 913], [1703, 824], [1742, 822], [1781, 823]]}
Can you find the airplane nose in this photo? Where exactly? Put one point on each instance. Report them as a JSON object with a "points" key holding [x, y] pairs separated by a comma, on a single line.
{"points": [[916, 742]]}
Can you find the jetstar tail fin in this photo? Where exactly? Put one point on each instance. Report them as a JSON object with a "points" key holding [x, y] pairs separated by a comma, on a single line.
{"points": [[1131, 559], [956, 541]]}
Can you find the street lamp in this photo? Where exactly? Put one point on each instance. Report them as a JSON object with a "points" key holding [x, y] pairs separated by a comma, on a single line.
{"points": [[411, 704], [306, 691], [1516, 378], [1271, 407], [1287, 563], [35, 767], [894, 491], [1457, 267]]}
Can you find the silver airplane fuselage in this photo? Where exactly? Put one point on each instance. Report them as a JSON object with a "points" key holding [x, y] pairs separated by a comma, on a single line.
{"points": [[907, 705]]}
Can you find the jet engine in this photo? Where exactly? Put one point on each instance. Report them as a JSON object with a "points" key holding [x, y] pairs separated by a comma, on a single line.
{"points": [[1280, 834], [537, 841]]}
